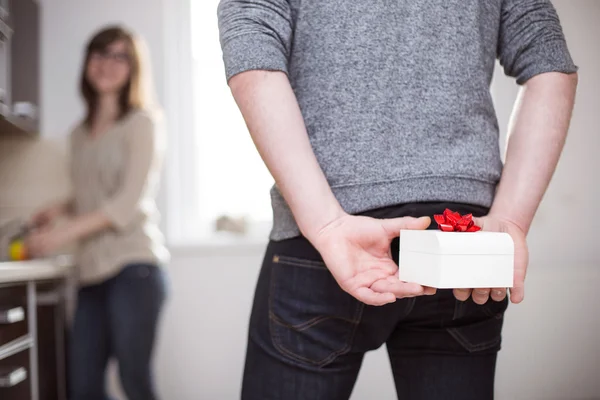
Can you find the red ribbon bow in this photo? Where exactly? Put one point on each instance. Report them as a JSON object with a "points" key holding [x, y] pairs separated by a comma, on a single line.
{"points": [[451, 221]]}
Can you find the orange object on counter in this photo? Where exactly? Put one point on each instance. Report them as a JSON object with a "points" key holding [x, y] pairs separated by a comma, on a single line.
{"points": [[17, 250]]}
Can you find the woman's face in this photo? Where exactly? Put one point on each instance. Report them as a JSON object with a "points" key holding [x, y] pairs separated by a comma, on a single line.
{"points": [[108, 71]]}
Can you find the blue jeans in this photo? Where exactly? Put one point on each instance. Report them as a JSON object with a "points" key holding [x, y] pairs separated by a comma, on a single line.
{"points": [[307, 337], [117, 318]]}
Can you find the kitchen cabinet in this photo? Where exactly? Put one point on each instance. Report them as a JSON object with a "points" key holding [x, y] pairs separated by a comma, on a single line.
{"points": [[19, 66], [15, 382], [13, 305], [51, 340], [32, 329]]}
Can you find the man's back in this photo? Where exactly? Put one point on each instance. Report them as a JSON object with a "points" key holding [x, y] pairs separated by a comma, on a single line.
{"points": [[395, 95]]}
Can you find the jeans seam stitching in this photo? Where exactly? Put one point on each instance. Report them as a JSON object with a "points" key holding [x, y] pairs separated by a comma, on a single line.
{"points": [[411, 305], [488, 312], [298, 357], [305, 325], [457, 309], [298, 262], [275, 338], [468, 344]]}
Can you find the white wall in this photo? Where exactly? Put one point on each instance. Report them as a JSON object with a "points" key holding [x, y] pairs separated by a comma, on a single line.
{"points": [[551, 348]]}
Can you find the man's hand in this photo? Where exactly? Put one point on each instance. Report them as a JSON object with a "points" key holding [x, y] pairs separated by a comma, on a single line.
{"points": [[356, 250], [480, 296]]}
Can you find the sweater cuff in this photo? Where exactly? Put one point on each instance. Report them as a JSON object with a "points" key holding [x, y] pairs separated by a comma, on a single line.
{"points": [[118, 216], [552, 56], [253, 51]]}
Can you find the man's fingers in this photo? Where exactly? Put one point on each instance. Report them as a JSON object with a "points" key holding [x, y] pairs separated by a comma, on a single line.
{"points": [[517, 294], [393, 226], [372, 298], [462, 294], [429, 291], [377, 287], [359, 287], [398, 288], [364, 279], [498, 294], [386, 265], [426, 289], [479, 222], [480, 296]]}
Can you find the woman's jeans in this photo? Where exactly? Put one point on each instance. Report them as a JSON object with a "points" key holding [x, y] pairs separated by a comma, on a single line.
{"points": [[117, 318]]}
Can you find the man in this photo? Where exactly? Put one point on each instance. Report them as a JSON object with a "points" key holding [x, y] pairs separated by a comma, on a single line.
{"points": [[369, 114]]}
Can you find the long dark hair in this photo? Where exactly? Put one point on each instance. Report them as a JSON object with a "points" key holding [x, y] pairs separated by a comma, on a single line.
{"points": [[137, 92]]}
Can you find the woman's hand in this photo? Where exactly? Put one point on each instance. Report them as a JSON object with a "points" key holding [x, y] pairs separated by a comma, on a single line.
{"points": [[356, 250], [480, 296], [44, 242], [48, 215]]}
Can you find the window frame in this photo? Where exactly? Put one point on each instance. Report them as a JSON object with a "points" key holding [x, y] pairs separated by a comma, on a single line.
{"points": [[183, 223]]}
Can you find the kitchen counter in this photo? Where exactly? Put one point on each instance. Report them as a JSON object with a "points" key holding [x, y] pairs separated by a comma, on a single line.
{"points": [[35, 270], [33, 296]]}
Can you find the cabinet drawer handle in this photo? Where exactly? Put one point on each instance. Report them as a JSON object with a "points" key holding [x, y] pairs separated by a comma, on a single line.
{"points": [[12, 377], [12, 315]]}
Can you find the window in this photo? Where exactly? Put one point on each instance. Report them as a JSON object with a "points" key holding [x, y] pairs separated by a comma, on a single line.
{"points": [[228, 177]]}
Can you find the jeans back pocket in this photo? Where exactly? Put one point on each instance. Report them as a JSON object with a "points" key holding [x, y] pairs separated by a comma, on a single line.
{"points": [[477, 327], [311, 319]]}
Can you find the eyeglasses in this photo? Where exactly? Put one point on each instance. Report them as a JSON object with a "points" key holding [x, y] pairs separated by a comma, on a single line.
{"points": [[120, 58]]}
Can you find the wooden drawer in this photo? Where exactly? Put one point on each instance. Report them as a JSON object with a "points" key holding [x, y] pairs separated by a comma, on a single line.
{"points": [[17, 367], [13, 313]]}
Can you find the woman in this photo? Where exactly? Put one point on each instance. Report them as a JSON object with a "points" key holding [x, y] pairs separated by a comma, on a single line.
{"points": [[116, 158]]}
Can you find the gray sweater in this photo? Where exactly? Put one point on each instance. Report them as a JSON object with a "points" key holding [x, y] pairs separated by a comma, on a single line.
{"points": [[395, 94]]}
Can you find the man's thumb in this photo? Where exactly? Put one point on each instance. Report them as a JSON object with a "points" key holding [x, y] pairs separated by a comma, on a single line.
{"points": [[393, 225]]}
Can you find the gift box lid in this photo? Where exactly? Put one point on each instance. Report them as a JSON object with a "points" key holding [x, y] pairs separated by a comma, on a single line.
{"points": [[458, 243]]}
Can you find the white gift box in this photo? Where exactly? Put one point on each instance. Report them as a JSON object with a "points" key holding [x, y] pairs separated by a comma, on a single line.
{"points": [[449, 260]]}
